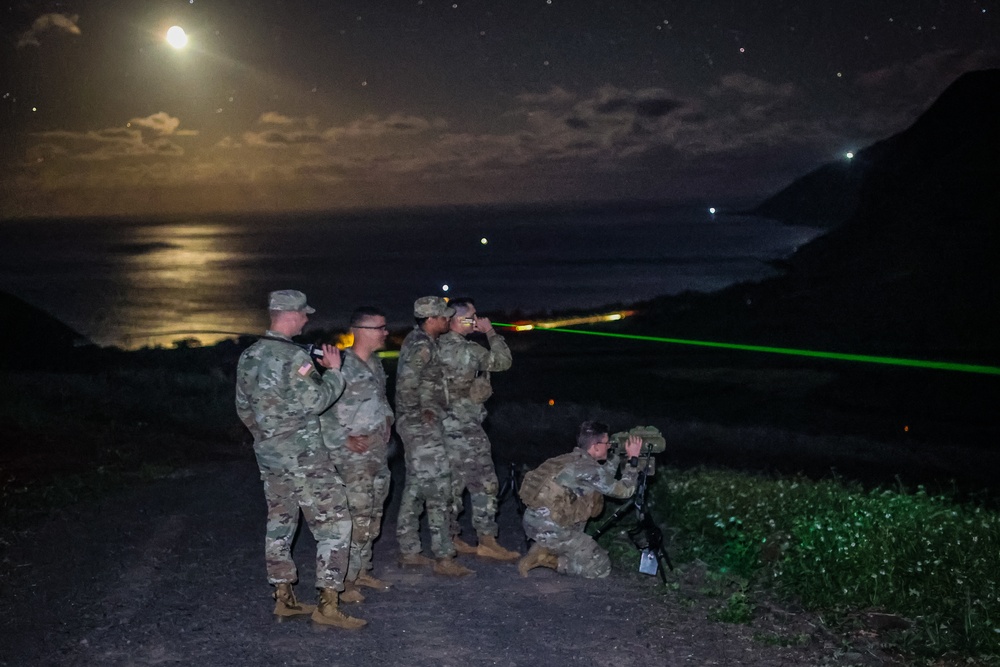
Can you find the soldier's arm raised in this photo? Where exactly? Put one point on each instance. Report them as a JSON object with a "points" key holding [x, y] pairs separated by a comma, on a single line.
{"points": [[603, 480], [498, 357], [314, 393]]}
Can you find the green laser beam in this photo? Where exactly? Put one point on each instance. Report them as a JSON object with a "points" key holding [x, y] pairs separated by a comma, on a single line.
{"points": [[839, 356]]}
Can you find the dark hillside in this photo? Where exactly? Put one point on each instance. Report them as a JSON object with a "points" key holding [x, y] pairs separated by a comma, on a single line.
{"points": [[945, 165], [31, 338], [913, 271]]}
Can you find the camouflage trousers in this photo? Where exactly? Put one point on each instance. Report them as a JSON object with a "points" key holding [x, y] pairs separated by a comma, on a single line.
{"points": [[471, 459], [579, 554], [320, 494], [367, 479], [428, 484]]}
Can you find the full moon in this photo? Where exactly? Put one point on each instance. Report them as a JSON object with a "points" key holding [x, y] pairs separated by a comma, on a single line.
{"points": [[176, 37]]}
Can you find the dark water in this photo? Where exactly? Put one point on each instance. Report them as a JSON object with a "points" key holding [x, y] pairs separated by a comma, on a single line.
{"points": [[129, 282]]}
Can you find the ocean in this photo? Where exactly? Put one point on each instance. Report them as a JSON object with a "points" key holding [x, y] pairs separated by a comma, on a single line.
{"points": [[135, 283]]}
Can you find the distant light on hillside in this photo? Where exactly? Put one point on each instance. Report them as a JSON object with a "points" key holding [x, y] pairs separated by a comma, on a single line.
{"points": [[849, 155]]}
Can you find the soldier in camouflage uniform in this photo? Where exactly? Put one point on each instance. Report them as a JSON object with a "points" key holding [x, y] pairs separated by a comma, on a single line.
{"points": [[357, 430], [420, 408], [467, 366], [563, 493], [279, 395]]}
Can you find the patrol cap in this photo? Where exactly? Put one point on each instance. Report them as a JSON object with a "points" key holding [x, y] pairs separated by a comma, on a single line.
{"points": [[289, 299], [432, 306]]}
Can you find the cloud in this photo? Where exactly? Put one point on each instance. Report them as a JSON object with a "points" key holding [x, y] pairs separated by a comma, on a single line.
{"points": [[735, 134], [144, 136], [373, 126], [275, 118], [45, 22], [929, 74], [749, 86], [161, 123]]}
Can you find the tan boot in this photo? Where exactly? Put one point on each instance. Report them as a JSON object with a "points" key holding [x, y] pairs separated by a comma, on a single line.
{"points": [[537, 556], [414, 560], [463, 547], [368, 581], [285, 604], [328, 613], [351, 593], [449, 567], [488, 548]]}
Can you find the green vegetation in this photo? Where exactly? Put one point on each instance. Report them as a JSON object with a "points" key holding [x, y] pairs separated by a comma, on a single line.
{"points": [[930, 562]]}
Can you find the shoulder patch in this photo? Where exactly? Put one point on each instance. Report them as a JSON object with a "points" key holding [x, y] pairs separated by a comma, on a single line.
{"points": [[305, 369]]}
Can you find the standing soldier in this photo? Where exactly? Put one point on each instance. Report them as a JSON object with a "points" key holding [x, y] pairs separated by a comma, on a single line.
{"points": [[467, 366], [357, 430], [420, 405], [566, 491], [279, 395]]}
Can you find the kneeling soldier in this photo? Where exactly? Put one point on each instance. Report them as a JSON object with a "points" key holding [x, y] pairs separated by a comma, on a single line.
{"points": [[563, 493]]}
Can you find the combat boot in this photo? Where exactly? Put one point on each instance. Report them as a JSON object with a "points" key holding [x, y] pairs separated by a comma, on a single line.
{"points": [[285, 604], [537, 556], [368, 581], [488, 548], [414, 560], [328, 613], [449, 567], [351, 593], [463, 547]]}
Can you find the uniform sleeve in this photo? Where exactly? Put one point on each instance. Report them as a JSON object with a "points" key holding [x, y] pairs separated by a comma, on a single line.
{"points": [[314, 393], [498, 357], [244, 411], [408, 380], [602, 478], [380, 374]]}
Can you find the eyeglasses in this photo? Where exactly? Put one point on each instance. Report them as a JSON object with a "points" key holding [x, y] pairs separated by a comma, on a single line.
{"points": [[380, 327]]}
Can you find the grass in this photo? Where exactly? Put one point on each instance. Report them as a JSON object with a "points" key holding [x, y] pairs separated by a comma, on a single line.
{"points": [[841, 549], [73, 437]]}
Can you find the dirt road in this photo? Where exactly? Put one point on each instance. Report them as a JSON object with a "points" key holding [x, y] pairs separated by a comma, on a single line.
{"points": [[172, 573]]}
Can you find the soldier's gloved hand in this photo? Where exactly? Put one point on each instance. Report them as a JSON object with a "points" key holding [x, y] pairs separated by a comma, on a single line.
{"points": [[633, 446], [483, 325], [357, 443], [331, 357]]}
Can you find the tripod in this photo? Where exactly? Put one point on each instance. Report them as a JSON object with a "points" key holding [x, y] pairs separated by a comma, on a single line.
{"points": [[646, 535], [511, 486]]}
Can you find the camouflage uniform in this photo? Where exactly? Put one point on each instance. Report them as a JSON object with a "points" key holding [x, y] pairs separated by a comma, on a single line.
{"points": [[279, 394], [362, 411], [469, 450], [420, 391], [563, 494]]}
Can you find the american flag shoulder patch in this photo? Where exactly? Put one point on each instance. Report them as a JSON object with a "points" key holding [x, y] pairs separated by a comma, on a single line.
{"points": [[305, 369]]}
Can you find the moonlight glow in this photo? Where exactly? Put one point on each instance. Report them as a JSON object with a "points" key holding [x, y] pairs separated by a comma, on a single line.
{"points": [[176, 37]]}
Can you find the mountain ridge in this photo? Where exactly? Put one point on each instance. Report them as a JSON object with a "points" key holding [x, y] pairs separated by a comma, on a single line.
{"points": [[913, 267]]}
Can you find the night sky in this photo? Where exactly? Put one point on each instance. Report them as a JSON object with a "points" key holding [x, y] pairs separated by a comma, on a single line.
{"points": [[289, 105]]}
